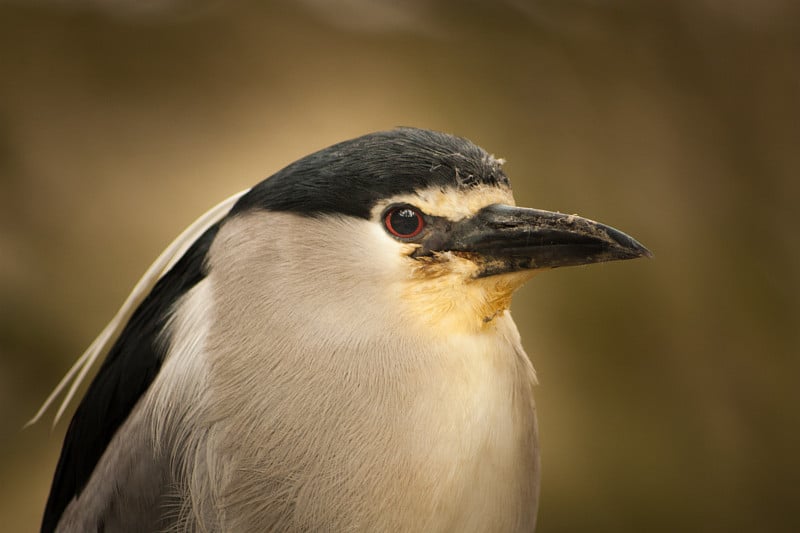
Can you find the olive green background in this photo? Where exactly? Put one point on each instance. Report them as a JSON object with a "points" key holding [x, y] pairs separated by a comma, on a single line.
{"points": [[668, 387]]}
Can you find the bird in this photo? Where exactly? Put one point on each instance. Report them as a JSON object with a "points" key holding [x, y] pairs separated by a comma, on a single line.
{"points": [[329, 350]]}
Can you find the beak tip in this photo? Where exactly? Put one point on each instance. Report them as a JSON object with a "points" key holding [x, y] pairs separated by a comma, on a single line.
{"points": [[629, 247], [640, 251]]}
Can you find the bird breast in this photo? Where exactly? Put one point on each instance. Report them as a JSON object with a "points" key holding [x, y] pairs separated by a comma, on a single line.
{"points": [[373, 435]]}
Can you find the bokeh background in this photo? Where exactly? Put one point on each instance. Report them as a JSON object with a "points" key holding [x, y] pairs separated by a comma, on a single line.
{"points": [[669, 388]]}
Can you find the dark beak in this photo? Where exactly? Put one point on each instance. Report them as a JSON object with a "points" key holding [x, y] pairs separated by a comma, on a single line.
{"points": [[508, 239]]}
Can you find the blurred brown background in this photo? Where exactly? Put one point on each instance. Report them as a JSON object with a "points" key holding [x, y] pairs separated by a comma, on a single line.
{"points": [[668, 397]]}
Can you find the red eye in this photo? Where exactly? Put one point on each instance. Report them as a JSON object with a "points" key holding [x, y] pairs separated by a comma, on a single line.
{"points": [[404, 221]]}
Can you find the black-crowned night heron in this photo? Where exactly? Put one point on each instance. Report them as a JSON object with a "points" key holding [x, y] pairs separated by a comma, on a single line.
{"points": [[330, 350]]}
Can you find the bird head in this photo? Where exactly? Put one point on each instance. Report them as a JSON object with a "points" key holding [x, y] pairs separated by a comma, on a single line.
{"points": [[431, 219]]}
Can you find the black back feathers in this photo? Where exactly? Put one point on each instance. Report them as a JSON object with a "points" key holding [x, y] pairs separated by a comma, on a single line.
{"points": [[128, 370]]}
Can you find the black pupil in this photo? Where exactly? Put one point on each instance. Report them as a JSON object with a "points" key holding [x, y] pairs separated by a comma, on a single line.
{"points": [[404, 221]]}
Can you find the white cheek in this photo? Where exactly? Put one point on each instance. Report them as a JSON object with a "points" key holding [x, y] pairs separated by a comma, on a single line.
{"points": [[380, 253]]}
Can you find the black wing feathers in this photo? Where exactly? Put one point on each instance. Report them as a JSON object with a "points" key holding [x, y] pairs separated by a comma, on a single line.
{"points": [[127, 372]]}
